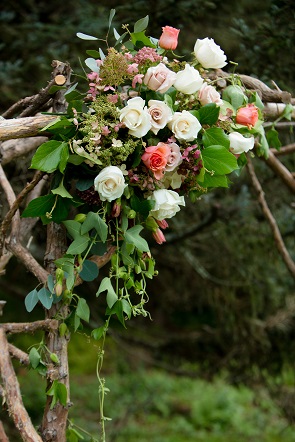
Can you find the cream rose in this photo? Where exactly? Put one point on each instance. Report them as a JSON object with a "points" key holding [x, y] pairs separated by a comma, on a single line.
{"points": [[159, 78], [188, 81], [208, 94], [185, 126], [160, 114], [136, 117], [209, 54], [167, 203], [239, 143], [110, 183]]}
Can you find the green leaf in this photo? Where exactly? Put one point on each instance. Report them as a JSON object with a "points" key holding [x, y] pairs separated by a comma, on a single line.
{"points": [[272, 137], [31, 300], [83, 310], [126, 250], [132, 237], [45, 298], [78, 245], [94, 221], [139, 39], [106, 285], [34, 357], [141, 205], [89, 271], [141, 24], [73, 228], [49, 155], [118, 310], [39, 206], [98, 333], [66, 263], [208, 114], [61, 191], [219, 159], [59, 392], [126, 307], [93, 53], [215, 136], [214, 181]]}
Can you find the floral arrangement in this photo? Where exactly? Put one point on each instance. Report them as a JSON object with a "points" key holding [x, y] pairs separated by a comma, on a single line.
{"points": [[150, 130]]}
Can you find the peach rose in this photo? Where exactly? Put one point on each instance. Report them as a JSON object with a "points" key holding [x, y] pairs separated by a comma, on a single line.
{"points": [[169, 38], [159, 78], [155, 158], [247, 115]]}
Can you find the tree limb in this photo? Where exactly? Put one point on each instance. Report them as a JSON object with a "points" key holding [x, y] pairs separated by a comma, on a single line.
{"points": [[30, 327], [15, 148], [18, 354], [281, 171], [13, 395], [270, 218], [24, 127]]}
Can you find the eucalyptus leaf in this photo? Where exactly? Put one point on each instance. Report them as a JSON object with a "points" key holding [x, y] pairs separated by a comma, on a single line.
{"points": [[89, 271], [85, 36], [92, 64], [141, 24], [45, 297], [31, 300]]}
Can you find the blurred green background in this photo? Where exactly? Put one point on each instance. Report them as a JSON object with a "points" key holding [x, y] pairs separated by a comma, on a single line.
{"points": [[216, 362]]}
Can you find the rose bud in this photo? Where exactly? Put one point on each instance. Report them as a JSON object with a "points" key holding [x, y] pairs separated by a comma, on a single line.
{"points": [[159, 236], [169, 38], [248, 115]]}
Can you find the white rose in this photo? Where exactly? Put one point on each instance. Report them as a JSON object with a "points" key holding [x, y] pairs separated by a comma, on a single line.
{"points": [[184, 126], [208, 94], [159, 78], [173, 180], [136, 117], [239, 143], [160, 114], [209, 54], [110, 183], [167, 203], [188, 81]]}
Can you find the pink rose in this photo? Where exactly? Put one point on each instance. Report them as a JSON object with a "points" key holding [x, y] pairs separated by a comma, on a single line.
{"points": [[248, 115], [155, 158], [174, 158], [208, 94], [169, 38], [159, 78]]}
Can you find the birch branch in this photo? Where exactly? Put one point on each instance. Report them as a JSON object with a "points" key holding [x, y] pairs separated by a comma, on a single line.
{"points": [[15, 148]]}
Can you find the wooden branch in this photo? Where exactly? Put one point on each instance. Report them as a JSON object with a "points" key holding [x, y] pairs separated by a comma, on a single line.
{"points": [[274, 110], [10, 214], [270, 218], [24, 127], [30, 327], [32, 105], [13, 396], [18, 354], [267, 94], [15, 148], [281, 171], [285, 150]]}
